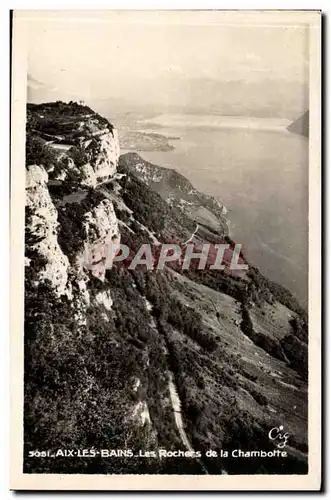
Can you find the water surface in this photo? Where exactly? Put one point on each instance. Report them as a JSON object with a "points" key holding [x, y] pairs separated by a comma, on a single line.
{"points": [[260, 172]]}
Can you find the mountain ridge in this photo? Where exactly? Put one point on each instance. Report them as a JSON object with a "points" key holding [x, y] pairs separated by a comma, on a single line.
{"points": [[178, 191], [300, 125]]}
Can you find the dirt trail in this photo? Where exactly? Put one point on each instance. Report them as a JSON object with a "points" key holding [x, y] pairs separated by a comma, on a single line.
{"points": [[192, 235], [176, 406]]}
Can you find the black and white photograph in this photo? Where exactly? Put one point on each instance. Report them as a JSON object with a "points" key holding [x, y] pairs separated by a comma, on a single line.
{"points": [[168, 196]]}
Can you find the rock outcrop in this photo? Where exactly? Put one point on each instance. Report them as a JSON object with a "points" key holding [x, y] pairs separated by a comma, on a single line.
{"points": [[107, 156], [102, 238], [41, 231]]}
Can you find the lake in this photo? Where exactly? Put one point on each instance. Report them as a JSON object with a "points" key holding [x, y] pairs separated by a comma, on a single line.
{"points": [[260, 172]]}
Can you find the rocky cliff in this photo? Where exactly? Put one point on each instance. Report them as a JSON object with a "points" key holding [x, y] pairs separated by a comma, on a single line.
{"points": [[128, 359]]}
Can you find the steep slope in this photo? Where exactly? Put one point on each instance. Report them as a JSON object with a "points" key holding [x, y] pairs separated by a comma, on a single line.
{"points": [[179, 192], [134, 359]]}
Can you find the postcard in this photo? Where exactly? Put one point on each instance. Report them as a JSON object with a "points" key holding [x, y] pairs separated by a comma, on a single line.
{"points": [[166, 250]]}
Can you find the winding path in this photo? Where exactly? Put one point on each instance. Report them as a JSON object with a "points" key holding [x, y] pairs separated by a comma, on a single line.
{"points": [[176, 406], [192, 235]]}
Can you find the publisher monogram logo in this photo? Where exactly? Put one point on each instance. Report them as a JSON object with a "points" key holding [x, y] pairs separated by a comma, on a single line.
{"points": [[279, 437]]}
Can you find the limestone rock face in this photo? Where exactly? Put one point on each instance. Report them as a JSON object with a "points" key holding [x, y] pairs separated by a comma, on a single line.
{"points": [[89, 157], [42, 227], [108, 155], [88, 176], [140, 414], [102, 238], [104, 299], [35, 175], [101, 161]]}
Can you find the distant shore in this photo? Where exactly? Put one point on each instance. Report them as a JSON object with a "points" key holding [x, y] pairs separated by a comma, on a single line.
{"points": [[212, 121], [134, 140]]}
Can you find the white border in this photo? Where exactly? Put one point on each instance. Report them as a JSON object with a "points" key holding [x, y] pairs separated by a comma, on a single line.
{"points": [[191, 482]]}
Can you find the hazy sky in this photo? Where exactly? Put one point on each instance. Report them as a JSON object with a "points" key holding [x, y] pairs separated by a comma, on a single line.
{"points": [[126, 50]]}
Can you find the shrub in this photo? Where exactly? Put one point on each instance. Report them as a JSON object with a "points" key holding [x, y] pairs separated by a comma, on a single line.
{"points": [[259, 398], [38, 152], [78, 155]]}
